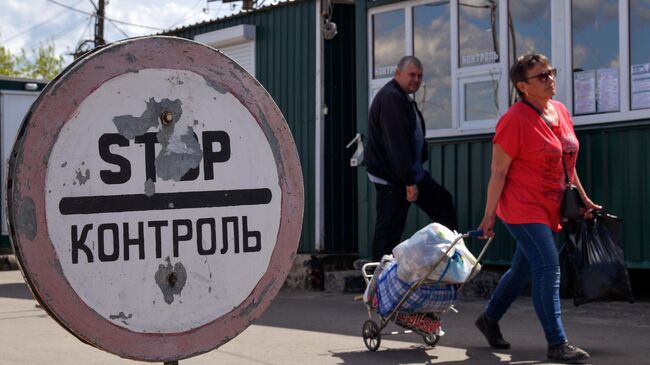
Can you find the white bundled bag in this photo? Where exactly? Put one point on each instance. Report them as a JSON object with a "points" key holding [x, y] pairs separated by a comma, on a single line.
{"points": [[417, 255]]}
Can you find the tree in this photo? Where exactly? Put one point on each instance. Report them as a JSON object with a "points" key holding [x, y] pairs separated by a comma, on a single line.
{"points": [[7, 63], [46, 64], [43, 65]]}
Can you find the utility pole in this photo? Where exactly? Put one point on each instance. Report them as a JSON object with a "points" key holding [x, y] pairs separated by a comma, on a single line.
{"points": [[99, 25], [90, 44]]}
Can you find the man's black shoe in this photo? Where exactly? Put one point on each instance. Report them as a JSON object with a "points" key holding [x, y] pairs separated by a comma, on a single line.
{"points": [[567, 353], [492, 333]]}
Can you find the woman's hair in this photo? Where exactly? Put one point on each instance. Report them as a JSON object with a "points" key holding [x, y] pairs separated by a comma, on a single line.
{"points": [[522, 65]]}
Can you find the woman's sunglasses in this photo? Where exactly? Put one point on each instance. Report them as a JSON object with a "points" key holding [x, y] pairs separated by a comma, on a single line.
{"points": [[543, 76]]}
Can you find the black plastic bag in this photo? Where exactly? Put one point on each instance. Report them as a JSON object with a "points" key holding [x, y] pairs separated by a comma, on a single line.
{"points": [[592, 263]]}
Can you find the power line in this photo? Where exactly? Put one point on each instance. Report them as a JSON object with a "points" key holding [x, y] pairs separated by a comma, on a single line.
{"points": [[70, 7], [185, 15], [83, 33], [131, 24], [66, 30], [36, 26], [118, 28], [105, 17]]}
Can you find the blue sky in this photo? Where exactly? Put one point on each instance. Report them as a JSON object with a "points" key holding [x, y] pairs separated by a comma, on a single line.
{"points": [[24, 24]]}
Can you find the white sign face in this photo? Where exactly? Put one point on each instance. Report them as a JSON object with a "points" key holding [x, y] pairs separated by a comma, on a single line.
{"points": [[162, 228]]}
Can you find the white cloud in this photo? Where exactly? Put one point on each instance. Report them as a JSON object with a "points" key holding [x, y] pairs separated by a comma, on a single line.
{"points": [[530, 10], [580, 54], [588, 13]]}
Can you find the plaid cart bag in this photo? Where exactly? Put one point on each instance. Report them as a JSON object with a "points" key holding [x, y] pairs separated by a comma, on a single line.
{"points": [[434, 297]]}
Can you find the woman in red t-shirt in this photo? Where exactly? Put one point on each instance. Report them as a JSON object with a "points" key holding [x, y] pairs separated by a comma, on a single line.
{"points": [[532, 142]]}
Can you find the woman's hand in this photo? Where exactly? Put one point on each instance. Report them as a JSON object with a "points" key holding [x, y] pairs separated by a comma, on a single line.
{"points": [[589, 207], [487, 226]]}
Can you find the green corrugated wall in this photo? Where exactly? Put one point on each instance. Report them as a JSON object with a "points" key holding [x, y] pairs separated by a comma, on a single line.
{"points": [[612, 165], [285, 66]]}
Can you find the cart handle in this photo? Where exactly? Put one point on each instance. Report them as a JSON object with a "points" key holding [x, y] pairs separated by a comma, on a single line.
{"points": [[365, 270], [475, 233]]}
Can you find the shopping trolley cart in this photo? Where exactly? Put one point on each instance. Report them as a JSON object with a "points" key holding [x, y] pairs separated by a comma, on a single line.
{"points": [[426, 324]]}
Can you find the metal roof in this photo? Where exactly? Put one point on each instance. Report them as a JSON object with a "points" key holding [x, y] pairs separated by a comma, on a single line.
{"points": [[269, 7]]}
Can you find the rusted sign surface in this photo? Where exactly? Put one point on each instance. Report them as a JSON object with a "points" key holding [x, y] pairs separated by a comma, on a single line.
{"points": [[155, 198]]}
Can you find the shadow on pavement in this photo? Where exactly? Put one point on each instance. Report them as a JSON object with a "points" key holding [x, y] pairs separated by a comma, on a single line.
{"points": [[15, 291], [425, 355], [416, 355]]}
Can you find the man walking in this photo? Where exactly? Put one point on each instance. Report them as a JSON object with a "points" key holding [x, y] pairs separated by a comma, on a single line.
{"points": [[394, 155]]}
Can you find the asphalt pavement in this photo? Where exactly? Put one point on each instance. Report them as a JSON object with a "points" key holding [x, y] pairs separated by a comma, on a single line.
{"points": [[311, 327]]}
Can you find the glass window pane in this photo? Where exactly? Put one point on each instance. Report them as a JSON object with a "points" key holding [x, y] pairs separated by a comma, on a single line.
{"points": [[388, 43], [481, 101], [640, 54], [594, 25], [478, 32], [529, 30], [432, 45]]}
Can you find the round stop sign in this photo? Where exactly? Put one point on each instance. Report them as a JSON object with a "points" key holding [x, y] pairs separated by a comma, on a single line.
{"points": [[155, 198]]}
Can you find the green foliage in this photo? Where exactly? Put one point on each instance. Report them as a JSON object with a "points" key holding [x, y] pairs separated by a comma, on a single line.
{"points": [[7, 63], [44, 64]]}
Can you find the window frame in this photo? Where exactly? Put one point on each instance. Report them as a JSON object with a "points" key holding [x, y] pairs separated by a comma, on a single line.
{"points": [[561, 55], [471, 79]]}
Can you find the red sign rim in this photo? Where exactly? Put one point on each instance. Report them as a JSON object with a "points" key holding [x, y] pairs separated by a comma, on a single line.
{"points": [[26, 194]]}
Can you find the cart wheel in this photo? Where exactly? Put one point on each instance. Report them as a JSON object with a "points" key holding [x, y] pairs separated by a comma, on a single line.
{"points": [[371, 335], [431, 339]]}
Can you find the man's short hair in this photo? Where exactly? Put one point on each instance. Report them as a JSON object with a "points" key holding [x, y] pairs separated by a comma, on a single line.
{"points": [[407, 60]]}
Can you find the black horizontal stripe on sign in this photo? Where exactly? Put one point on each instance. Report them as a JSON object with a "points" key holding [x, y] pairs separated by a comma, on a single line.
{"points": [[163, 201]]}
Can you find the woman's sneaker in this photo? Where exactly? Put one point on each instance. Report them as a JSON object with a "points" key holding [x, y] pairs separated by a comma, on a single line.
{"points": [[567, 353]]}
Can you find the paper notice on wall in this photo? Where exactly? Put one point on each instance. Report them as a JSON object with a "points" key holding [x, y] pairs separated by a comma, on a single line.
{"points": [[584, 92], [607, 90], [640, 86]]}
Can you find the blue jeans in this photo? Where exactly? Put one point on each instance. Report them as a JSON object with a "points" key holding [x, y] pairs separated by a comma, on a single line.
{"points": [[535, 256]]}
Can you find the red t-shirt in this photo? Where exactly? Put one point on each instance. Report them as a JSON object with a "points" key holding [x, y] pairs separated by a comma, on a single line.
{"points": [[535, 182]]}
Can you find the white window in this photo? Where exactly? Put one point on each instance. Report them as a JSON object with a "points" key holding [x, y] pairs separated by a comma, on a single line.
{"points": [[467, 47], [236, 42]]}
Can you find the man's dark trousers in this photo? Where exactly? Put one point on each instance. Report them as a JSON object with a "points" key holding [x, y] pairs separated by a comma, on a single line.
{"points": [[392, 210]]}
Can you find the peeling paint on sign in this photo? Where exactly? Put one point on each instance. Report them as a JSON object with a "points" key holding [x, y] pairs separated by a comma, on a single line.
{"points": [[26, 217], [171, 280], [83, 177], [179, 155], [130, 126], [149, 188], [121, 316]]}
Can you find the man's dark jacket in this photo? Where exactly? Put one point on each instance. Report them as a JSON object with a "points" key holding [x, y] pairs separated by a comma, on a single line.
{"points": [[390, 150]]}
